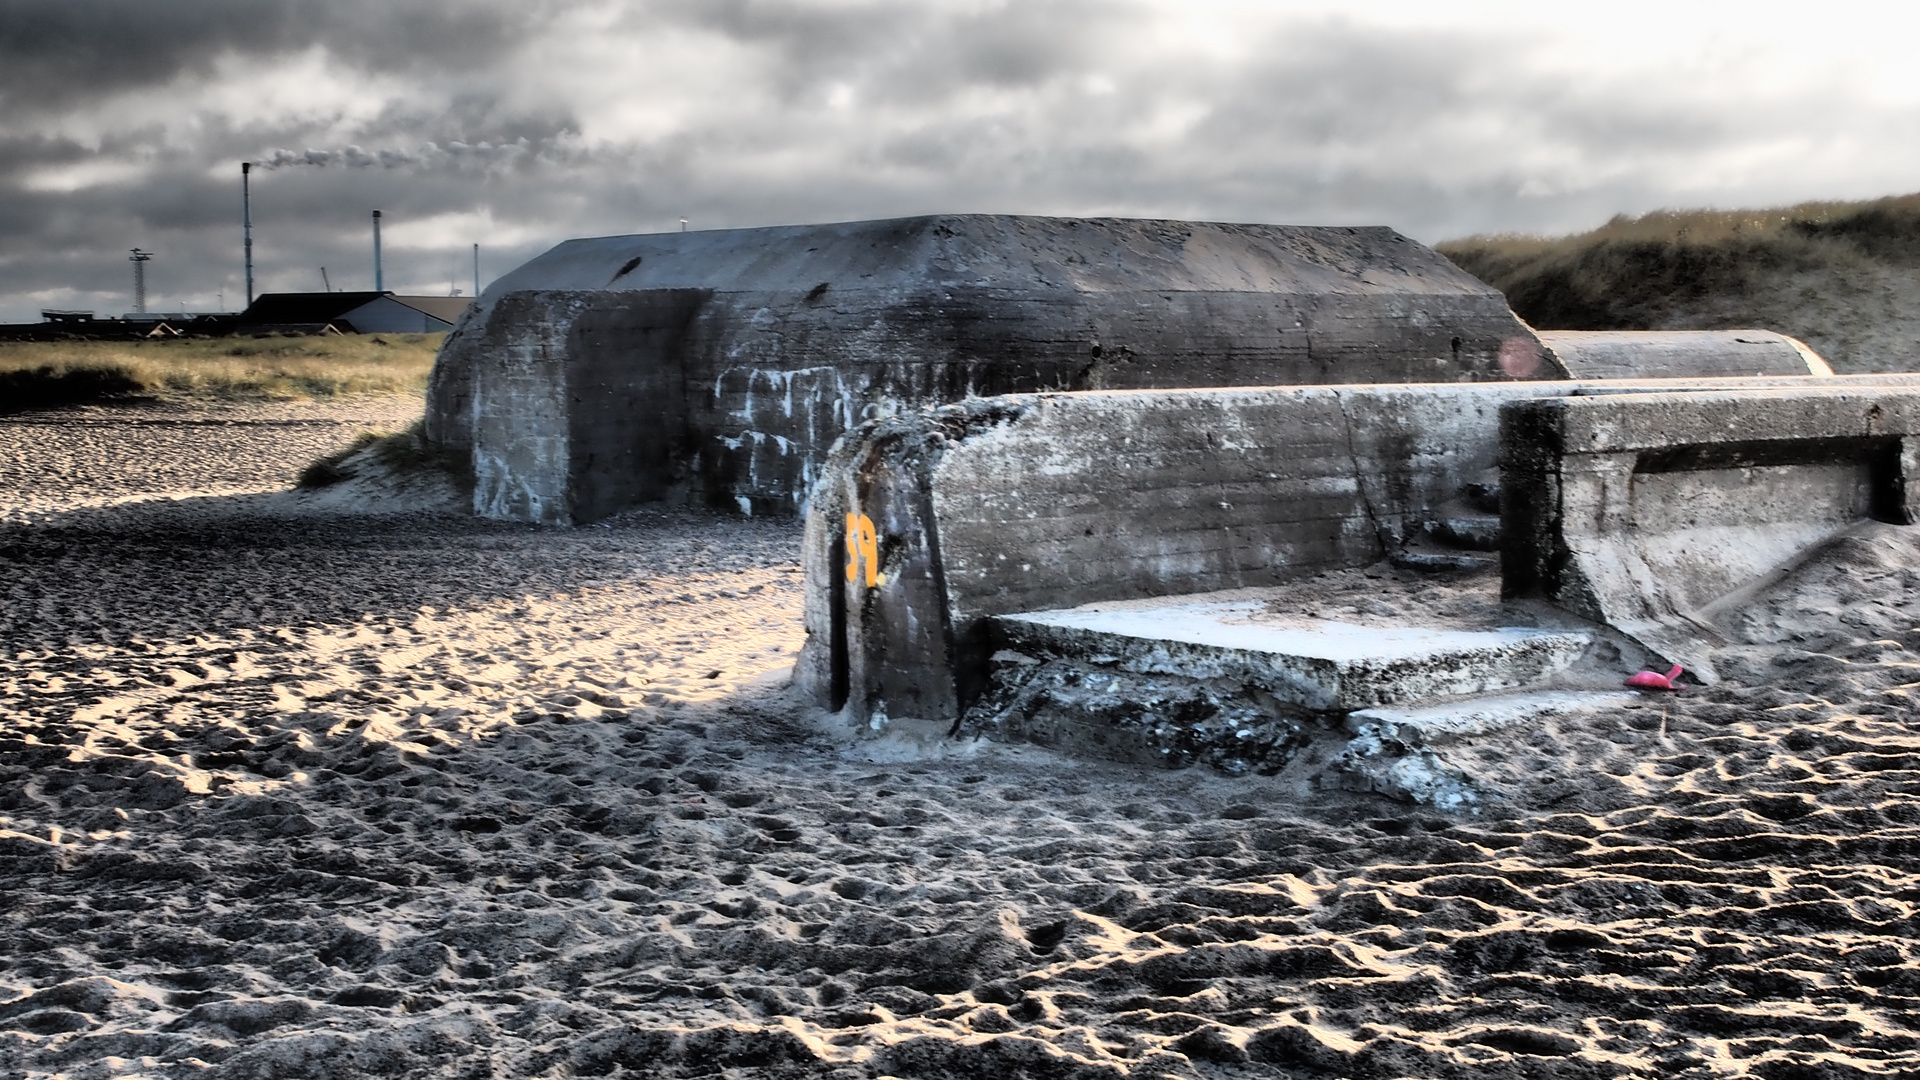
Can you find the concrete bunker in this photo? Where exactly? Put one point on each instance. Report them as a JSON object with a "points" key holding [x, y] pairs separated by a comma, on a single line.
{"points": [[1127, 558], [1653, 513], [719, 366]]}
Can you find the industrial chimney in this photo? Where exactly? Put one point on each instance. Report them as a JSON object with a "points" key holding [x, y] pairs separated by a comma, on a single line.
{"points": [[246, 224]]}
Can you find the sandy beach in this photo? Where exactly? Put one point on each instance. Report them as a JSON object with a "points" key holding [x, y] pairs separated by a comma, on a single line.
{"points": [[352, 784]]}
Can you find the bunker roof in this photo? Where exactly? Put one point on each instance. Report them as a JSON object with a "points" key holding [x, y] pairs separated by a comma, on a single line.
{"points": [[981, 250]]}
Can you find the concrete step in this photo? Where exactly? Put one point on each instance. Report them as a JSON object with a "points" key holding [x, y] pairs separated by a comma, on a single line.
{"points": [[1444, 561], [1484, 496], [1441, 721], [1473, 532], [1317, 665], [1403, 753]]}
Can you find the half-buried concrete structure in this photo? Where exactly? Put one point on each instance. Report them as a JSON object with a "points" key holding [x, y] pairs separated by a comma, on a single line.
{"points": [[1182, 575], [718, 367], [1172, 491]]}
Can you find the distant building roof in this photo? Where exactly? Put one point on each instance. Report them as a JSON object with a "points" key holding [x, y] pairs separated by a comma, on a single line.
{"points": [[447, 308], [309, 309], [321, 307]]}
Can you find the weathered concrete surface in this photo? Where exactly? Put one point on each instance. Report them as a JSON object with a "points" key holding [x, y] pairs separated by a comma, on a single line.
{"points": [[719, 366], [1227, 680], [1385, 761], [1647, 511], [1031, 502], [1087, 706], [928, 523], [1693, 354], [1245, 682]]}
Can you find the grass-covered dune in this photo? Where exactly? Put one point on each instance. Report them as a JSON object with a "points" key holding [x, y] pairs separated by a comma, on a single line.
{"points": [[37, 375], [1842, 276]]}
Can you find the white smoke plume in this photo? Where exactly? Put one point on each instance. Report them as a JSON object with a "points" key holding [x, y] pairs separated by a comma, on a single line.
{"points": [[350, 156], [426, 155]]}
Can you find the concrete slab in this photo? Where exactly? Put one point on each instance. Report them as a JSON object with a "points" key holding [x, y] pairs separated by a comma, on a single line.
{"points": [[1298, 677], [1319, 665], [1483, 715]]}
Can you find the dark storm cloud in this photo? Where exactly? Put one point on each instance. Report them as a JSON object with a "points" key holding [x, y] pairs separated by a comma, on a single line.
{"points": [[905, 52], [70, 81], [58, 53], [26, 151], [518, 124]]}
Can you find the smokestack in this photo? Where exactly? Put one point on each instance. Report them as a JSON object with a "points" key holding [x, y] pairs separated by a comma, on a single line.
{"points": [[379, 283], [246, 224]]}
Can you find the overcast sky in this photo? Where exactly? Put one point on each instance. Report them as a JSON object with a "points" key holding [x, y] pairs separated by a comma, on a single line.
{"points": [[515, 124]]}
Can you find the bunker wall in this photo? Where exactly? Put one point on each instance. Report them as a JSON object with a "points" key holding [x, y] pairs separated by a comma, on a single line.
{"points": [[518, 417], [719, 367], [734, 399]]}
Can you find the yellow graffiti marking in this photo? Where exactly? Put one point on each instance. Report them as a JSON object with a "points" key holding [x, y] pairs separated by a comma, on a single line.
{"points": [[863, 545]]}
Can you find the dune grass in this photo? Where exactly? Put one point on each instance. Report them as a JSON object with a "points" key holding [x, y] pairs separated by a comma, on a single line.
{"points": [[400, 453], [53, 373], [1638, 273]]}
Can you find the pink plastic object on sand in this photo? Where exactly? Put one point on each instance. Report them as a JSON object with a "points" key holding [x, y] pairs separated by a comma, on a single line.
{"points": [[1653, 680]]}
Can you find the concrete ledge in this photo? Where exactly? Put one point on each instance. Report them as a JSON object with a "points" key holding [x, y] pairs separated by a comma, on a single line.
{"points": [[1316, 665]]}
